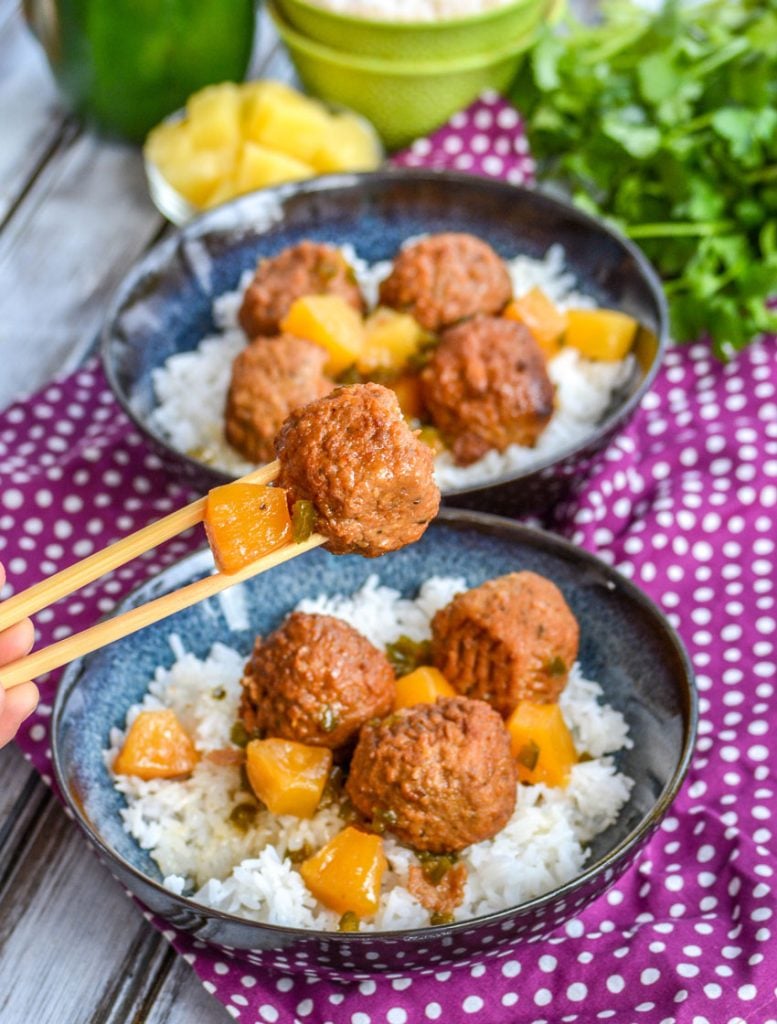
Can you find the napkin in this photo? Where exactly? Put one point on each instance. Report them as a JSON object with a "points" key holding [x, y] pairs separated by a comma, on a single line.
{"points": [[683, 502]]}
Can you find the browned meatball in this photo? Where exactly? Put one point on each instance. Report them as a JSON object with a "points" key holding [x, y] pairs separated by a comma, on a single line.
{"points": [[439, 776], [445, 278], [315, 680], [309, 268], [486, 386], [270, 379], [511, 639], [369, 477]]}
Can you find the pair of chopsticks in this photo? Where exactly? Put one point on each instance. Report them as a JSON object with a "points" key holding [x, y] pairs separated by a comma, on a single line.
{"points": [[32, 600]]}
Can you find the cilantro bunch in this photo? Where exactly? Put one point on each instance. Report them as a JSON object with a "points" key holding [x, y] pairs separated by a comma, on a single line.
{"points": [[666, 123]]}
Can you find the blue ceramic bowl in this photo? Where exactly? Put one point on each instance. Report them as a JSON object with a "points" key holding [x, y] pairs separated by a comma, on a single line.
{"points": [[626, 645], [164, 305]]}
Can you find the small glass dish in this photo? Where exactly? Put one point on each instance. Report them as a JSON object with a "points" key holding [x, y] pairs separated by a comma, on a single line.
{"points": [[179, 210]]}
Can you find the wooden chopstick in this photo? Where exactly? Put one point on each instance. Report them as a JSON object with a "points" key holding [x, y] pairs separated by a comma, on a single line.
{"points": [[106, 632], [42, 594]]}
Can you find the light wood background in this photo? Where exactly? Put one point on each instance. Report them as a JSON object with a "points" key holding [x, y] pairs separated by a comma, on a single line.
{"points": [[74, 216]]}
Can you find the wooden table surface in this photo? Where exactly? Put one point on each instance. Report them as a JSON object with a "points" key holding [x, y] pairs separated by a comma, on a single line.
{"points": [[74, 216]]}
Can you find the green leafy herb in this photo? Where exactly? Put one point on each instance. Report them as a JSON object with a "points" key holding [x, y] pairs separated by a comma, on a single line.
{"points": [[667, 123], [303, 520], [406, 655]]}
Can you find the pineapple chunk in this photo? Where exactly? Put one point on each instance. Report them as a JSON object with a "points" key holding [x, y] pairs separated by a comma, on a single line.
{"points": [[156, 747], [350, 145], [600, 333], [197, 178], [330, 322], [258, 167], [390, 339], [224, 191], [214, 116], [169, 144], [546, 323], [259, 97], [296, 128]]}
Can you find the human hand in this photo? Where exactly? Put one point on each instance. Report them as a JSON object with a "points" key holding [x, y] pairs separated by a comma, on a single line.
{"points": [[20, 701]]}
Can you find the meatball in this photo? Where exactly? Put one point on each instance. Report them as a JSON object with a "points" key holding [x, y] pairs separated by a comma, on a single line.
{"points": [[315, 680], [270, 379], [445, 278], [486, 386], [309, 268], [439, 776], [511, 639], [368, 476]]}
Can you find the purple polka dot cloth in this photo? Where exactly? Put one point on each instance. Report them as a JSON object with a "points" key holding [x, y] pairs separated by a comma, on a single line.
{"points": [[683, 502]]}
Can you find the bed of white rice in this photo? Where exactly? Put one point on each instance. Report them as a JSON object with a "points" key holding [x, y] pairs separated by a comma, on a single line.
{"points": [[191, 387], [410, 10], [185, 824]]}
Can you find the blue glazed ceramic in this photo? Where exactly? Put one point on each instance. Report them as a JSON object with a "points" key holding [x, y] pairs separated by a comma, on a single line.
{"points": [[626, 644], [164, 306]]}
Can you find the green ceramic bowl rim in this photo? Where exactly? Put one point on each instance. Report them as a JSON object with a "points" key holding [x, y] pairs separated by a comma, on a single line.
{"points": [[382, 25], [392, 68]]}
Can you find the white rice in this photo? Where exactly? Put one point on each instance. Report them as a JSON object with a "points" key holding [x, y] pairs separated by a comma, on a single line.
{"points": [[185, 826], [410, 10], [191, 387]]}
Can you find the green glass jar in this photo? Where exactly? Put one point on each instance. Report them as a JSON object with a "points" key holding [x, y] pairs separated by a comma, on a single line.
{"points": [[125, 64]]}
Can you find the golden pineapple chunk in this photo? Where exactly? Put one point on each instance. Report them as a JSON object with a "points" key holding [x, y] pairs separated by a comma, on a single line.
{"points": [[600, 333], [350, 145], [258, 166], [259, 97], [296, 126], [329, 321], [390, 339], [195, 173], [169, 144], [235, 138], [214, 116]]}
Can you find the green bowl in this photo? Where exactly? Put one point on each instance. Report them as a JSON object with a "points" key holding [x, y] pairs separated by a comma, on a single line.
{"points": [[402, 99], [480, 33]]}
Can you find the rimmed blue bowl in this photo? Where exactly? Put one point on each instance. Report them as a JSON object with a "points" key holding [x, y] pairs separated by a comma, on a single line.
{"points": [[626, 644], [164, 306]]}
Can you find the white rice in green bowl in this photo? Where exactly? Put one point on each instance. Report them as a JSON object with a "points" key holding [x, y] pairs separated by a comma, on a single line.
{"points": [[410, 10], [186, 827], [191, 387]]}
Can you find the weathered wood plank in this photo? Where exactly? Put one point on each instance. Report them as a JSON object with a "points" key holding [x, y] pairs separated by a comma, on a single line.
{"points": [[22, 798], [179, 999], [83, 223], [57, 897], [83, 219], [30, 114]]}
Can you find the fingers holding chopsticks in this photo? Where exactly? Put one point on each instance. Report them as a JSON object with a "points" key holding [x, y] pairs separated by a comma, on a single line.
{"points": [[16, 704]]}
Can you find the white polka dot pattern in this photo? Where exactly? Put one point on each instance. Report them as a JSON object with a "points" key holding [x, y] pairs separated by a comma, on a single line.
{"points": [[683, 502]]}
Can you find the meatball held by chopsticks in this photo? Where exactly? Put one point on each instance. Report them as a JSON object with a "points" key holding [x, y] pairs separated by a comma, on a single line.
{"points": [[367, 475]]}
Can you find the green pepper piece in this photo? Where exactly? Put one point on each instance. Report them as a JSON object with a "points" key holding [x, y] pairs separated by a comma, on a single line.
{"points": [[303, 520]]}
